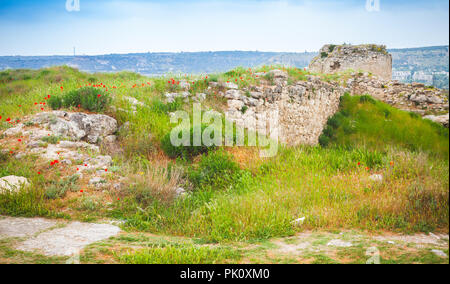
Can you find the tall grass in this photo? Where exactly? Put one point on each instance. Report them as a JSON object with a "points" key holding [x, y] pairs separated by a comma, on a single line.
{"points": [[180, 255], [328, 186], [364, 122]]}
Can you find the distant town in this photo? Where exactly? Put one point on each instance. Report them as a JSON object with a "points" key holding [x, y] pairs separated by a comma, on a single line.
{"points": [[428, 65]]}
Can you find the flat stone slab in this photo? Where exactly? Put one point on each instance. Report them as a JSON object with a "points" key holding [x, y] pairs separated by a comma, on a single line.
{"points": [[23, 227], [339, 243], [69, 240]]}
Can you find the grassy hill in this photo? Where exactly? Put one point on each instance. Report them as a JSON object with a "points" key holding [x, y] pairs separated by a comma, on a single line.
{"points": [[235, 194]]}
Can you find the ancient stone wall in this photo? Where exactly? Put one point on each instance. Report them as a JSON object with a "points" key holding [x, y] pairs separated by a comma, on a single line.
{"points": [[370, 58], [415, 97], [303, 108]]}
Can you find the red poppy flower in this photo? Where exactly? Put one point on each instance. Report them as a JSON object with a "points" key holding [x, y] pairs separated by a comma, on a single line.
{"points": [[8, 119]]}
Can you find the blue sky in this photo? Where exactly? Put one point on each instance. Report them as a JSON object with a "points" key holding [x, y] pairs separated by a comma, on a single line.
{"points": [[45, 27]]}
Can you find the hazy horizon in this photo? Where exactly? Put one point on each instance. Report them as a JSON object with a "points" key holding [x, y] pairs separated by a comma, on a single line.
{"points": [[205, 51]]}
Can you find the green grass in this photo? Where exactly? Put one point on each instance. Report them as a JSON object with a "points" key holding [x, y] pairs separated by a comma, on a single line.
{"points": [[364, 122], [329, 186], [181, 255]]}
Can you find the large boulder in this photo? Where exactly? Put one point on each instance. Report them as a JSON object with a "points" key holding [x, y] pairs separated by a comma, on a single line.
{"points": [[441, 119], [78, 126], [12, 183], [96, 126]]}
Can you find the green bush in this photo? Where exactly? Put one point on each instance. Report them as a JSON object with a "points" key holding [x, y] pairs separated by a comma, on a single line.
{"points": [[367, 99], [88, 98], [324, 55], [58, 189], [186, 152], [55, 102], [217, 169], [331, 48], [51, 139], [28, 202], [324, 140]]}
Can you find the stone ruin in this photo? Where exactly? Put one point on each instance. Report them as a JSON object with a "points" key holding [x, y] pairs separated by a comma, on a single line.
{"points": [[302, 108], [305, 106], [340, 58]]}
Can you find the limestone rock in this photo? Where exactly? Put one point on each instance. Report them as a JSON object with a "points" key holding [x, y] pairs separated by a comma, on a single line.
{"points": [[441, 119], [376, 178], [77, 126], [339, 243], [370, 58], [13, 183], [235, 104], [229, 85]]}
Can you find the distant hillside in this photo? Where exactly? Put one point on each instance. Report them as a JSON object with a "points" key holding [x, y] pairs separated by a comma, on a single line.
{"points": [[428, 64]]}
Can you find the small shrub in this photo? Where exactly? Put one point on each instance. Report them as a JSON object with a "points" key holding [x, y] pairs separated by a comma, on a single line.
{"points": [[89, 98], [51, 139], [28, 202], [328, 131], [324, 140], [367, 99], [156, 185], [3, 156], [55, 102], [323, 55], [270, 77], [331, 48], [88, 203], [334, 121], [244, 109], [217, 169], [184, 151], [58, 189]]}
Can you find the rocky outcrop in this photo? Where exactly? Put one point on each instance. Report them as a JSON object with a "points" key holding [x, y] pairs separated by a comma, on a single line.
{"points": [[55, 137], [77, 126], [369, 58]]}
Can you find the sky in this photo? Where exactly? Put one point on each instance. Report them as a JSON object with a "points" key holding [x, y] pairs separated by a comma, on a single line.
{"points": [[47, 27]]}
